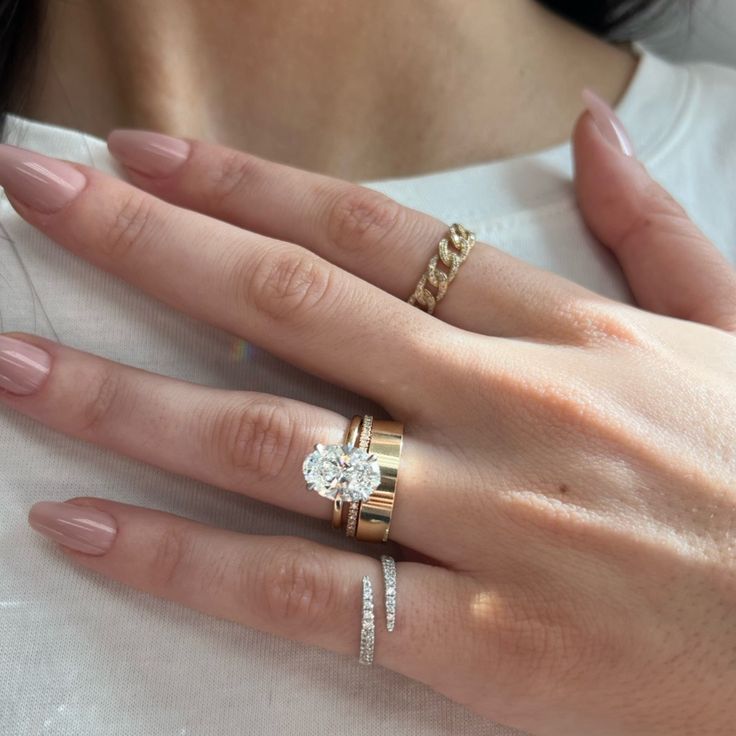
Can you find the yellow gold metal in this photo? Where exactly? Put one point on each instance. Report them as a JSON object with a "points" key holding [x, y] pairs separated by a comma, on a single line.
{"points": [[374, 518], [351, 438], [366, 429], [463, 241]]}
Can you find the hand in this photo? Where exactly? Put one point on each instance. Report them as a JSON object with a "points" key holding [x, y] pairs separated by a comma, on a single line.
{"points": [[569, 465]]}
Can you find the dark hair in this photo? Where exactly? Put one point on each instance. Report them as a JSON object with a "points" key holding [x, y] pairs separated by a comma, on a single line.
{"points": [[21, 21], [20, 30], [622, 19]]}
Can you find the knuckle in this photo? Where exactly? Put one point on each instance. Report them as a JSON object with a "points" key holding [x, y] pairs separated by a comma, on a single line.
{"points": [[553, 405], [231, 175], [360, 219], [545, 647], [566, 407], [657, 209], [129, 226], [101, 399], [592, 323], [255, 439], [286, 285], [297, 586], [169, 559]]}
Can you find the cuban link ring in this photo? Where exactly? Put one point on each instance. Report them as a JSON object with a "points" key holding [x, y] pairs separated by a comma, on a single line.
{"points": [[367, 624], [366, 428], [389, 580], [463, 241]]}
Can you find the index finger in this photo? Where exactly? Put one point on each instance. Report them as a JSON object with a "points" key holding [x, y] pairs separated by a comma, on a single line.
{"points": [[279, 295]]}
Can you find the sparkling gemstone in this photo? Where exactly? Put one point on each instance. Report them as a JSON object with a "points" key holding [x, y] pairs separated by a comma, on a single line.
{"points": [[342, 471]]}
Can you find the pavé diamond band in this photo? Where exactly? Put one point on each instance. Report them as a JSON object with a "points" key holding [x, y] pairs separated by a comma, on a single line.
{"points": [[367, 624], [360, 474], [368, 617], [389, 580], [351, 438], [364, 439], [462, 240]]}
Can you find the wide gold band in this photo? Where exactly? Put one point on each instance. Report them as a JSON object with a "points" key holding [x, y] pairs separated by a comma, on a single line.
{"points": [[463, 241], [351, 438], [374, 518]]}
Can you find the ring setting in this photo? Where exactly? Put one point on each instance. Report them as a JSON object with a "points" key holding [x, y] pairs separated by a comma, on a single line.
{"points": [[344, 471], [359, 476]]}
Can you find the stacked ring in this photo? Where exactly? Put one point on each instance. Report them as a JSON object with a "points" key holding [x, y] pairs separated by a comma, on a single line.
{"points": [[364, 440], [374, 518], [360, 474], [351, 438]]}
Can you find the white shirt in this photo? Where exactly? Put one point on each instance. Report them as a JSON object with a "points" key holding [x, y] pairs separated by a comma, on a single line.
{"points": [[82, 655]]}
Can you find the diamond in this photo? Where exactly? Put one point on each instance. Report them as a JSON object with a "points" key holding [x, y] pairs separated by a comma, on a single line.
{"points": [[389, 577], [367, 625], [342, 471]]}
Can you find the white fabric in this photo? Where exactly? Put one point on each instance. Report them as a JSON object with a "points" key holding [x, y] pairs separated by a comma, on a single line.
{"points": [[703, 30], [81, 655]]}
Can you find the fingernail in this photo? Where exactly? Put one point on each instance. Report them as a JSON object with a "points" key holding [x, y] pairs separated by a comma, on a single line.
{"points": [[81, 528], [608, 123], [42, 183], [23, 367], [152, 154]]}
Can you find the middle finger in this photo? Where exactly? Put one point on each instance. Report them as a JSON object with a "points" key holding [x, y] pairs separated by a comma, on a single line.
{"points": [[281, 296], [354, 227]]}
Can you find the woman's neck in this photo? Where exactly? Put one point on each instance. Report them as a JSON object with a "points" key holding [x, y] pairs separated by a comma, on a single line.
{"points": [[353, 89]]}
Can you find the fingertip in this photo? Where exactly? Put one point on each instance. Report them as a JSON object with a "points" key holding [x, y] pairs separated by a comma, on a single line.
{"points": [[604, 179], [82, 529], [585, 139], [149, 153]]}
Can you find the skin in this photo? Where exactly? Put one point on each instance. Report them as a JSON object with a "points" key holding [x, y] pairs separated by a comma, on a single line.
{"points": [[582, 541], [571, 479], [332, 103]]}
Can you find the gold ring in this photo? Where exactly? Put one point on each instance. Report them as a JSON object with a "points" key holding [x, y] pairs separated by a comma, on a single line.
{"points": [[374, 517], [351, 438], [463, 241], [364, 439]]}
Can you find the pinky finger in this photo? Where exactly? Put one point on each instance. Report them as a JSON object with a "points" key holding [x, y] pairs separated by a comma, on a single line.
{"points": [[286, 586]]}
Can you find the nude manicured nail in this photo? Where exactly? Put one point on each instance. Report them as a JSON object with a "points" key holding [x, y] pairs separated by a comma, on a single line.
{"points": [[42, 183], [23, 367], [81, 528], [608, 123], [152, 154]]}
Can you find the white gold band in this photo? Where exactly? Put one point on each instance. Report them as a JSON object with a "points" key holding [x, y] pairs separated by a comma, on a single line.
{"points": [[389, 579], [367, 624]]}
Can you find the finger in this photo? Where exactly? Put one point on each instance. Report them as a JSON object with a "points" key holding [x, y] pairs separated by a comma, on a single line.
{"points": [[278, 295], [352, 226], [670, 265], [285, 586], [242, 441]]}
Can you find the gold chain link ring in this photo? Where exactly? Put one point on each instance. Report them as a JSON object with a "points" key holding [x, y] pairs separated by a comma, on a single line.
{"points": [[463, 241]]}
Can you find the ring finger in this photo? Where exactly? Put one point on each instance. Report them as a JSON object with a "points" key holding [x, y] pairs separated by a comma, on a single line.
{"points": [[241, 441]]}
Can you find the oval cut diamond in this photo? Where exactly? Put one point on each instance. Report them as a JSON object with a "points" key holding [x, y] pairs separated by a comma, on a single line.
{"points": [[342, 471]]}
